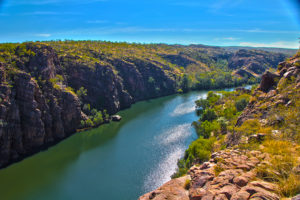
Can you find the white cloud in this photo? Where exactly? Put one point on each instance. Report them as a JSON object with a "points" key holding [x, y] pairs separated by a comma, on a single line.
{"points": [[43, 35], [279, 44], [227, 39], [230, 38]]}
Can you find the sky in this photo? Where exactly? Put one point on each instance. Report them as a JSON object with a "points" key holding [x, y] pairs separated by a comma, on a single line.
{"points": [[267, 23]]}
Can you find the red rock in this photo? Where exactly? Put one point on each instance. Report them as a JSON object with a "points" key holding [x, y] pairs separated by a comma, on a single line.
{"points": [[240, 181], [172, 190], [265, 185], [241, 195], [228, 190]]}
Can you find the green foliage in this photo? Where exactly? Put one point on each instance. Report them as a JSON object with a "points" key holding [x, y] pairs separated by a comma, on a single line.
{"points": [[201, 105], [89, 123], [179, 91], [81, 92], [185, 83], [209, 115], [212, 97], [187, 184], [199, 150], [58, 78], [223, 124], [206, 128]]}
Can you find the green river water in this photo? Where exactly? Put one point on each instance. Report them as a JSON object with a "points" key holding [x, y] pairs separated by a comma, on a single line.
{"points": [[117, 161]]}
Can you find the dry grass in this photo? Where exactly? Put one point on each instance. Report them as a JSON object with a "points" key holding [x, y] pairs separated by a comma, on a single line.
{"points": [[280, 168]]}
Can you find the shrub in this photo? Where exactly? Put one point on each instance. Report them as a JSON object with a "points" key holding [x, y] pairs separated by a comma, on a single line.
{"points": [[89, 123], [241, 104], [81, 92], [98, 119], [187, 184], [218, 169], [199, 150]]}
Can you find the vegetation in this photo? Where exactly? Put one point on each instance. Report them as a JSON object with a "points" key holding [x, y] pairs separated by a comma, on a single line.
{"points": [[219, 115]]}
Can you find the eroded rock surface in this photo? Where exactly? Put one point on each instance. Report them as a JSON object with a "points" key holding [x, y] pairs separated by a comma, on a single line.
{"points": [[229, 174]]}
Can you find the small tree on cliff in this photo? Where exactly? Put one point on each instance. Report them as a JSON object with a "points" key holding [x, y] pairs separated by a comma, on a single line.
{"points": [[185, 83]]}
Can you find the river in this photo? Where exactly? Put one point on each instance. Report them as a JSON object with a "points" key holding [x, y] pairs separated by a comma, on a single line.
{"points": [[117, 161]]}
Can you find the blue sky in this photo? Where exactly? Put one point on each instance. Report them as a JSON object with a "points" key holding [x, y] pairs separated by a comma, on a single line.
{"points": [[271, 23]]}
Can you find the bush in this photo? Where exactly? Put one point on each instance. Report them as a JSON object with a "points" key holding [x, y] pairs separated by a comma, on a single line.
{"points": [[81, 92], [241, 104], [199, 150]]}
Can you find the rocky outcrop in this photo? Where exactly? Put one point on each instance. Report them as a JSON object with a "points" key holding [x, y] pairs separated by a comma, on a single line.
{"points": [[229, 174], [175, 189], [272, 92]]}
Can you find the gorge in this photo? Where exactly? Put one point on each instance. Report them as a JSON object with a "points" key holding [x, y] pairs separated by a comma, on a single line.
{"points": [[49, 90]]}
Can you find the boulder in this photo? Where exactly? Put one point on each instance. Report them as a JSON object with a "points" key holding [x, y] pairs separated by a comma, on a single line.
{"points": [[116, 118], [172, 190], [268, 81]]}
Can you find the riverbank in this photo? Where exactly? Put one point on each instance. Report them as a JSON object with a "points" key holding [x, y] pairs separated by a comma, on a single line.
{"points": [[261, 159]]}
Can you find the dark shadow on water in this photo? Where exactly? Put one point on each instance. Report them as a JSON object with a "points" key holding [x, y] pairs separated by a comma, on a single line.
{"points": [[44, 168]]}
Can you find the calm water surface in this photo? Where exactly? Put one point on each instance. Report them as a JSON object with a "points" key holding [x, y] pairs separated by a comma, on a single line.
{"points": [[117, 161]]}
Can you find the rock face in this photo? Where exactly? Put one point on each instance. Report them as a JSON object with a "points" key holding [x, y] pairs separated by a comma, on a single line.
{"points": [[33, 116]]}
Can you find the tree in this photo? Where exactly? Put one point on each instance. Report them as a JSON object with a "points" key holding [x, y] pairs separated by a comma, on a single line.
{"points": [[201, 105], [185, 83], [81, 92]]}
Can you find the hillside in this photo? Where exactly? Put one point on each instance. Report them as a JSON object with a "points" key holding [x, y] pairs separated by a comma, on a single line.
{"points": [[50, 90], [248, 146], [290, 52]]}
